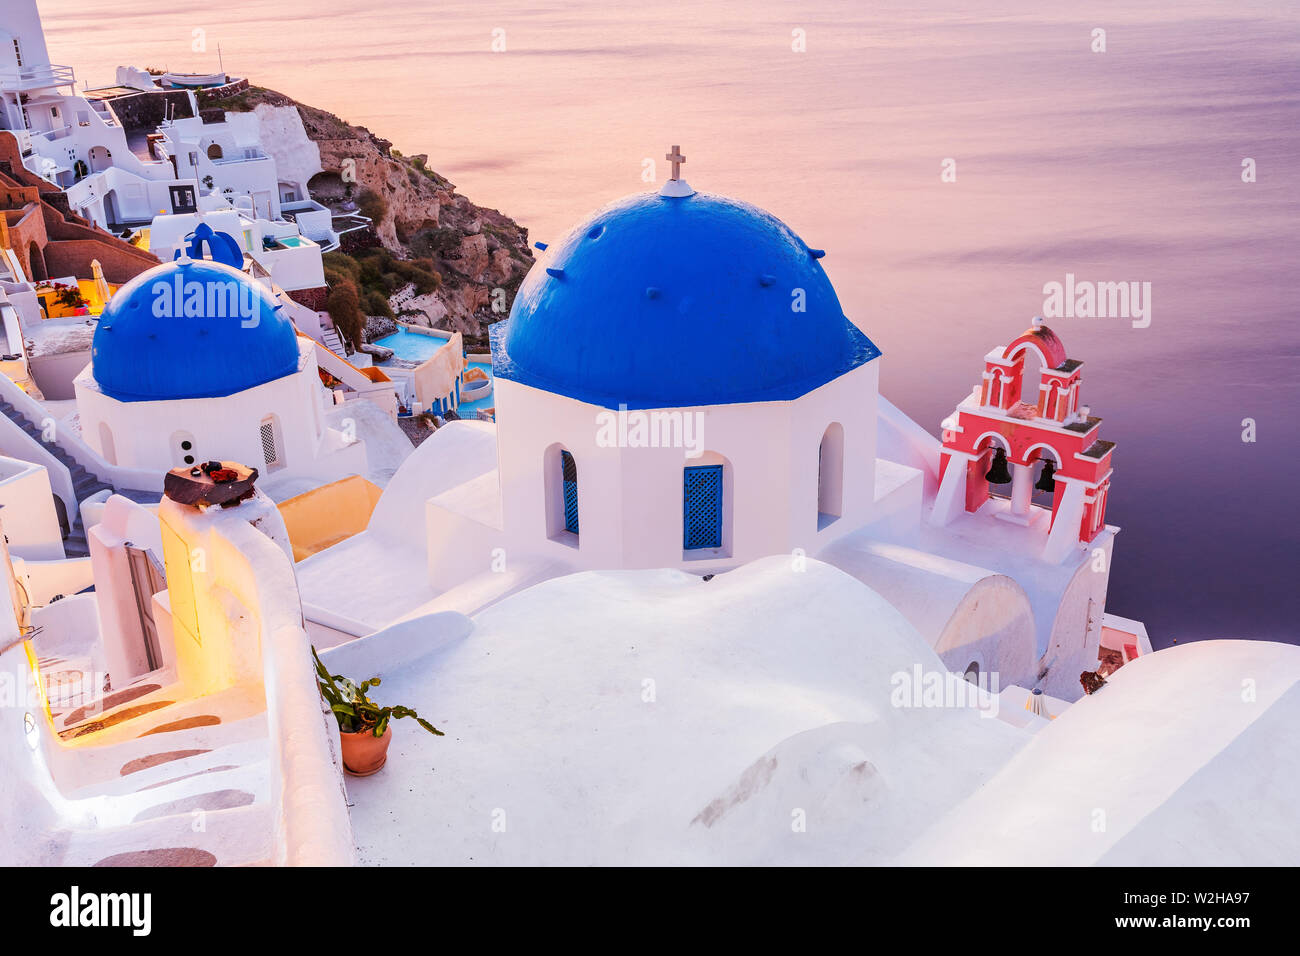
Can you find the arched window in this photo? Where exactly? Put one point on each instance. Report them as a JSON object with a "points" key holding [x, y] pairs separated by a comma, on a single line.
{"points": [[1031, 375], [560, 486], [216, 152], [569, 483], [106, 446], [830, 475], [272, 450], [702, 504]]}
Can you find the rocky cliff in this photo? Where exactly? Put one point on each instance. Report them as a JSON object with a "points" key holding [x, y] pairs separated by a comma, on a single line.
{"points": [[481, 254]]}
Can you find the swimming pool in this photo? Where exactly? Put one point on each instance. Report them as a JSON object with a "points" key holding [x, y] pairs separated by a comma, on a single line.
{"points": [[411, 346], [470, 409], [414, 347]]}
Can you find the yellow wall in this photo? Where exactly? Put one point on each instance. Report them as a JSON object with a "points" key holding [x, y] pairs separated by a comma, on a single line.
{"points": [[213, 591], [329, 514], [93, 294], [90, 291]]}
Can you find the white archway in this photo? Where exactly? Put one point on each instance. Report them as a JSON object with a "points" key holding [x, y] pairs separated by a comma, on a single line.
{"points": [[562, 495], [830, 475], [107, 447]]}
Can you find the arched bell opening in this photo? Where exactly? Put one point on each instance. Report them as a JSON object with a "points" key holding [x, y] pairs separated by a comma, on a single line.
{"points": [[993, 466], [987, 472], [1046, 465]]}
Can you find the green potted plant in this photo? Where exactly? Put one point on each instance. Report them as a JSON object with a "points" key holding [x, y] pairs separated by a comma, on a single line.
{"points": [[364, 730]]}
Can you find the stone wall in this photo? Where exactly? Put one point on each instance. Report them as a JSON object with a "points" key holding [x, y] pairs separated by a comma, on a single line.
{"points": [[73, 258], [147, 110], [377, 326], [22, 226], [313, 299], [220, 92], [21, 235], [73, 246]]}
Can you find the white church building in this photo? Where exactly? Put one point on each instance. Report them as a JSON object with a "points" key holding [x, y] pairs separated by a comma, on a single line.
{"points": [[194, 361], [661, 418], [678, 387]]}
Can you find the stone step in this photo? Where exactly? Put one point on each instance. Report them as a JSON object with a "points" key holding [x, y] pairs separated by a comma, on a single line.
{"points": [[331, 340], [84, 482]]}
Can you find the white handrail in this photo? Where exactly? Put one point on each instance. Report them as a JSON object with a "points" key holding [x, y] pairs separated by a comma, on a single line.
{"points": [[312, 827]]}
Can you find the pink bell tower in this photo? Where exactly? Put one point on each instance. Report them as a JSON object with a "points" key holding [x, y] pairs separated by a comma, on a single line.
{"points": [[1006, 431]]}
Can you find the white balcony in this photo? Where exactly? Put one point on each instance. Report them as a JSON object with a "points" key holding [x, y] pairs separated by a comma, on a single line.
{"points": [[43, 77], [246, 154], [61, 132]]}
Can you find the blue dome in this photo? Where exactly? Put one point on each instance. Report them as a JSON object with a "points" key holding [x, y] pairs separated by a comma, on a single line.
{"points": [[191, 329], [661, 302]]}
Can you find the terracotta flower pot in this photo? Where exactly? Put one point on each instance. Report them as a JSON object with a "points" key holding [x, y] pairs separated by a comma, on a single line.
{"points": [[363, 752]]}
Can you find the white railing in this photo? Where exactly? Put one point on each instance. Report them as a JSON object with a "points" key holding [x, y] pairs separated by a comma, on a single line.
{"points": [[38, 77], [53, 134], [249, 154], [311, 825]]}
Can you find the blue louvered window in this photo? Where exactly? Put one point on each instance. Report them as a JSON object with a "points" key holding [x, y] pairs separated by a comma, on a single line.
{"points": [[702, 507], [570, 476]]}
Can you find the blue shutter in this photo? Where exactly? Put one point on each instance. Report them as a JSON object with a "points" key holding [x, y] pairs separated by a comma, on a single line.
{"points": [[569, 472], [702, 507]]}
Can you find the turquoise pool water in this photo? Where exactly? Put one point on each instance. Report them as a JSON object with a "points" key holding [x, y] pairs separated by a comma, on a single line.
{"points": [[411, 346], [415, 347], [470, 409]]}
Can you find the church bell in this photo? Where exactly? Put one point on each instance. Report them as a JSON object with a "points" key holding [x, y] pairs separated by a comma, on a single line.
{"points": [[998, 473], [1045, 480]]}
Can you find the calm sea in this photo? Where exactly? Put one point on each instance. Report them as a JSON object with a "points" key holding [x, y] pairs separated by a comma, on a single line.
{"points": [[1116, 165]]}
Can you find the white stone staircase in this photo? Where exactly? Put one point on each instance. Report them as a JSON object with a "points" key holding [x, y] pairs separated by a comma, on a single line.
{"points": [[180, 782], [105, 112], [331, 340]]}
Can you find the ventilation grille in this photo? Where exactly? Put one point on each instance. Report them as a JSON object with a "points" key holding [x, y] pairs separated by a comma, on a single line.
{"points": [[268, 444], [702, 507], [570, 472]]}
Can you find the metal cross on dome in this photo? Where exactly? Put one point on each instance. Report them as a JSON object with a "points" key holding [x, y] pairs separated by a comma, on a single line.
{"points": [[676, 158]]}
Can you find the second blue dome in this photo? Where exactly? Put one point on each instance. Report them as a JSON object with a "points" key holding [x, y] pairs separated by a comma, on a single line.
{"points": [[191, 329]]}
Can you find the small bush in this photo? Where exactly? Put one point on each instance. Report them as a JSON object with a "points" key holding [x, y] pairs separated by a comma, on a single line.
{"points": [[372, 205], [344, 307], [376, 303]]}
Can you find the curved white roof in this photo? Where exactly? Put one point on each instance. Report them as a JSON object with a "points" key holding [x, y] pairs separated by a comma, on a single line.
{"points": [[1187, 757], [653, 717]]}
